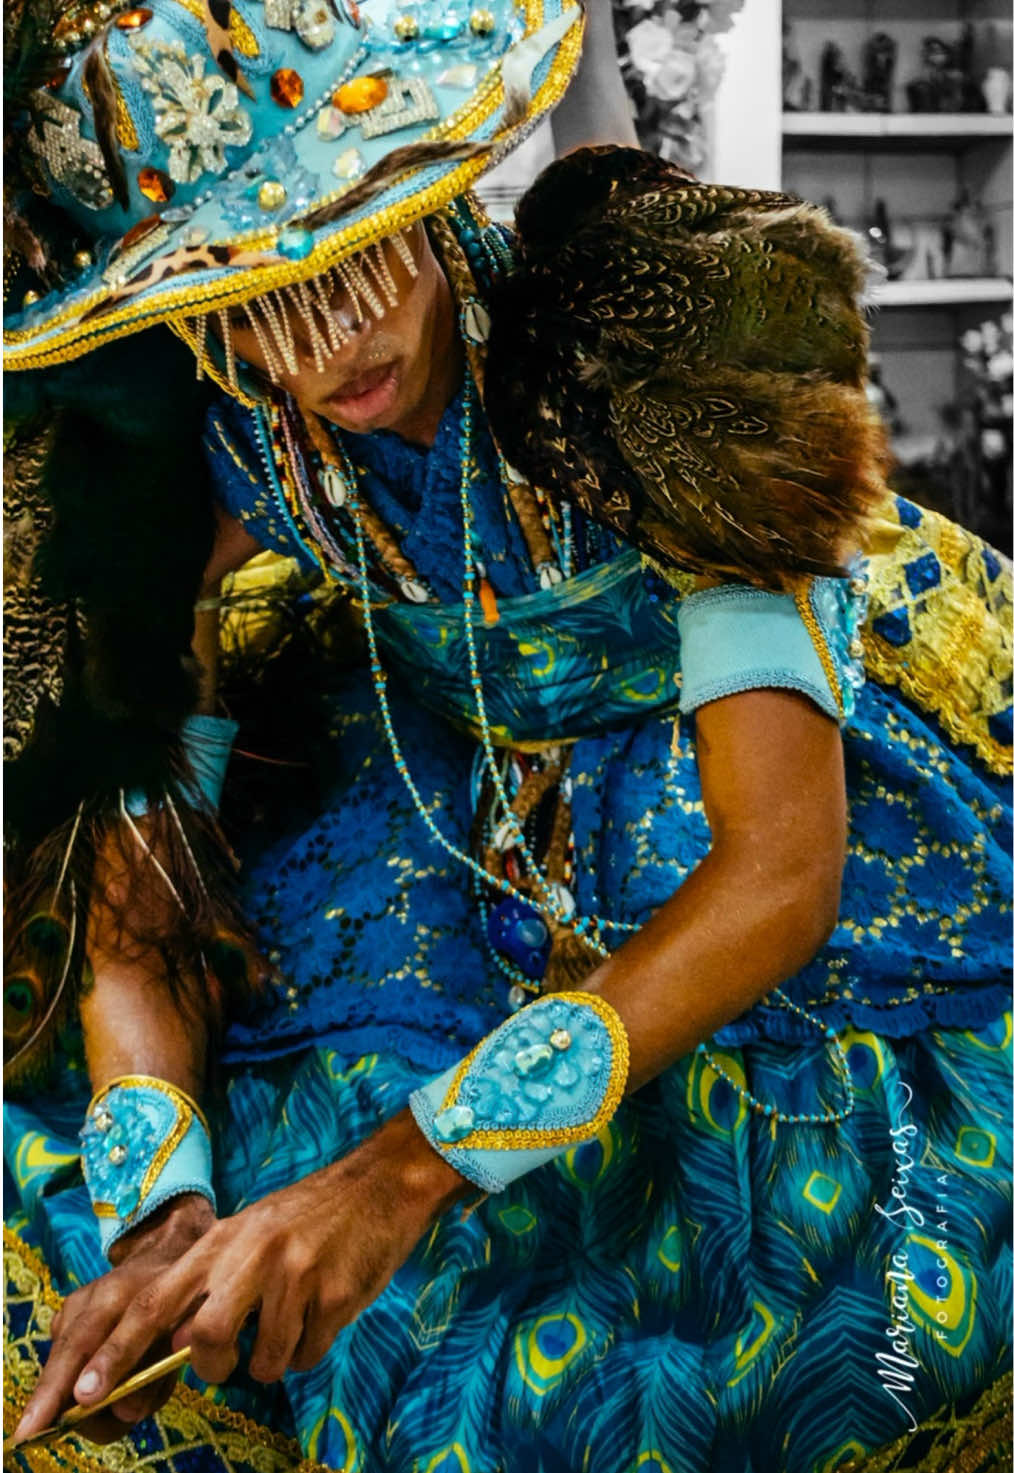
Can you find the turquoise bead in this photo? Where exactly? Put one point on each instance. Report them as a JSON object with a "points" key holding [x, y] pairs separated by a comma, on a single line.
{"points": [[295, 242], [534, 1060], [127, 1202], [454, 1124]]}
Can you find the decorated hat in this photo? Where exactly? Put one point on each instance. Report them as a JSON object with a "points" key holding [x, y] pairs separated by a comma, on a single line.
{"points": [[209, 153]]}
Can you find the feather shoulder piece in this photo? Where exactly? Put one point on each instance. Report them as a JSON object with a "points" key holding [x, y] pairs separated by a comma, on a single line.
{"points": [[687, 362]]}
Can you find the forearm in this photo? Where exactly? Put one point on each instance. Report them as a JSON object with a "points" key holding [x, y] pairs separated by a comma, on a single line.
{"points": [[738, 926]]}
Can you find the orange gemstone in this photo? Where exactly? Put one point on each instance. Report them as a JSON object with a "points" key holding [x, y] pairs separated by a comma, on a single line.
{"points": [[359, 95], [287, 87], [133, 20], [56, 81], [139, 231], [155, 185]]}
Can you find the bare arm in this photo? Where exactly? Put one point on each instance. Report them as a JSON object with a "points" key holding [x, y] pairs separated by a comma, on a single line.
{"points": [[309, 1258], [133, 1025]]}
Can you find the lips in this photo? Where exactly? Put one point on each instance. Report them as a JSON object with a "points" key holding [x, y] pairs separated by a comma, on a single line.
{"points": [[365, 397], [354, 388]]}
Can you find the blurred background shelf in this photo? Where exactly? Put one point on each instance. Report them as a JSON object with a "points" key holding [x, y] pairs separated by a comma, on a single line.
{"points": [[948, 292], [874, 127]]}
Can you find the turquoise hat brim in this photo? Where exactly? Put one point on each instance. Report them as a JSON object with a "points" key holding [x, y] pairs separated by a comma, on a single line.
{"points": [[171, 269]]}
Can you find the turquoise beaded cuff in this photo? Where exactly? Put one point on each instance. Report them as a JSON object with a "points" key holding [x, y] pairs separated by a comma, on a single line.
{"points": [[547, 1079], [207, 742], [143, 1142]]}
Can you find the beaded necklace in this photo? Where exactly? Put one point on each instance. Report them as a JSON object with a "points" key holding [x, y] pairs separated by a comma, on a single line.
{"points": [[549, 901], [340, 490]]}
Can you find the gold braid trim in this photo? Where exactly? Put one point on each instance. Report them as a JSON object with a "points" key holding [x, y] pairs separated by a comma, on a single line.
{"points": [[189, 1420], [816, 633]]}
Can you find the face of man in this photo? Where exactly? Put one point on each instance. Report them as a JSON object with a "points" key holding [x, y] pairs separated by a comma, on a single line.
{"points": [[396, 373]]}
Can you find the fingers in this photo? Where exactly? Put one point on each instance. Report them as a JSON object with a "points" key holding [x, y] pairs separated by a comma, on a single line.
{"points": [[279, 1330], [79, 1329], [215, 1331], [152, 1313]]}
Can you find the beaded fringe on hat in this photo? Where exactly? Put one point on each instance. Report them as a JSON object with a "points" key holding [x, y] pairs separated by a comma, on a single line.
{"points": [[364, 282]]}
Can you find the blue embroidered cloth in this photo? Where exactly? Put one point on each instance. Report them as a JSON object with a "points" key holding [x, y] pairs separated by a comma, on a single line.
{"points": [[376, 931], [686, 1292]]}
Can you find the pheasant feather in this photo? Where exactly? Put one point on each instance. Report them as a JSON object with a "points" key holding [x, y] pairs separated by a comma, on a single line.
{"points": [[687, 363]]}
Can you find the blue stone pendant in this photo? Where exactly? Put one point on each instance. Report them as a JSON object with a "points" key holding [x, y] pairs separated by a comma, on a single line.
{"points": [[517, 930]]}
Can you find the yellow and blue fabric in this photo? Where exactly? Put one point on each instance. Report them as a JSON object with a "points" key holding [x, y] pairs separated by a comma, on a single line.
{"points": [[144, 1142], [225, 182], [683, 1249], [547, 1079]]}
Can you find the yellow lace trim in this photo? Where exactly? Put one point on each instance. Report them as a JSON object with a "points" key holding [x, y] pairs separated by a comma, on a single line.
{"points": [[187, 1421], [957, 665]]}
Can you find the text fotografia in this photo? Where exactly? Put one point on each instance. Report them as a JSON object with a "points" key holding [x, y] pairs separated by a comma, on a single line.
{"points": [[896, 1366]]}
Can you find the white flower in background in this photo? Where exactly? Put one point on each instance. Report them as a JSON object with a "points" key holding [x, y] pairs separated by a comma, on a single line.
{"points": [[667, 72], [720, 15], [1007, 406], [1007, 323], [994, 446], [990, 336], [649, 43], [710, 65], [196, 115], [1001, 365], [971, 341]]}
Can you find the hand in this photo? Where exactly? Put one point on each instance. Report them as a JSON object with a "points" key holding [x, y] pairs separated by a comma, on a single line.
{"points": [[88, 1315], [307, 1259]]}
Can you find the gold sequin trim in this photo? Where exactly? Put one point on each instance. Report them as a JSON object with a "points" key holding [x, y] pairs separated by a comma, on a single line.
{"points": [[189, 1421], [816, 633], [567, 1135]]}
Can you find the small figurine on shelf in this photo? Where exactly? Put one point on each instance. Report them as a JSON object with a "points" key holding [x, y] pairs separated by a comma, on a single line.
{"points": [[925, 255], [969, 239], [797, 88], [881, 397], [839, 90], [996, 90], [878, 235], [879, 57], [941, 86]]}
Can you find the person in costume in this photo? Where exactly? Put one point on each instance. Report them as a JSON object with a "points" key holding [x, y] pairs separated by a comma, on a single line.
{"points": [[561, 925]]}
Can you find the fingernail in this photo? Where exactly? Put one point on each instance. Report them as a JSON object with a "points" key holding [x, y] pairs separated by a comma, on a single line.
{"points": [[25, 1426], [87, 1384]]}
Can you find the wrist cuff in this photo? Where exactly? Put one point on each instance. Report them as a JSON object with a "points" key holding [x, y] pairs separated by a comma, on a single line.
{"points": [[207, 742], [547, 1079], [144, 1141]]}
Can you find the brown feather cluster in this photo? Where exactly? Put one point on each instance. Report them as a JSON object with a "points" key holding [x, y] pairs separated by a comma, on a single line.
{"points": [[687, 363]]}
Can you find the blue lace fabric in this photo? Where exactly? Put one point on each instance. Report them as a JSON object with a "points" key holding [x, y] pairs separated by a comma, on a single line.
{"points": [[376, 931], [687, 1291]]}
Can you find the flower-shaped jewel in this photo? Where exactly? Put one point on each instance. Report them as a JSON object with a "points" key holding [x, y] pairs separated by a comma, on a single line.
{"points": [[242, 200], [198, 116]]}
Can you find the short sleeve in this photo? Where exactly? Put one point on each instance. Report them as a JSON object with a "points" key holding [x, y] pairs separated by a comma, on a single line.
{"points": [[735, 638], [241, 481]]}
